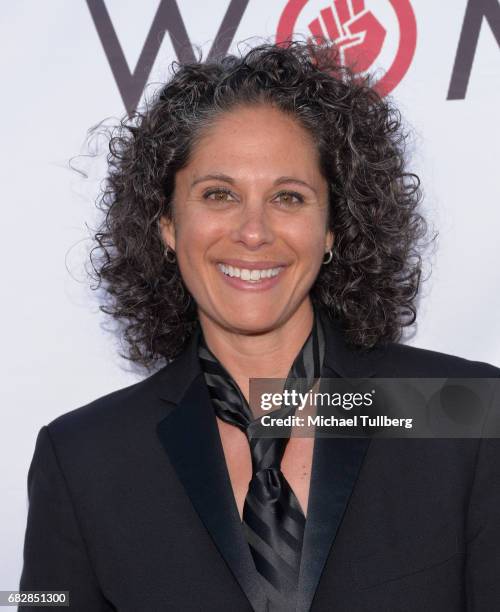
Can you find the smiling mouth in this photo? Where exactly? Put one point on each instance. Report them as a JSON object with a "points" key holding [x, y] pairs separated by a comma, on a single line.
{"points": [[249, 275]]}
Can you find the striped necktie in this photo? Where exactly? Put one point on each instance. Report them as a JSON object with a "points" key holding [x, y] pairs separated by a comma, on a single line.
{"points": [[273, 520]]}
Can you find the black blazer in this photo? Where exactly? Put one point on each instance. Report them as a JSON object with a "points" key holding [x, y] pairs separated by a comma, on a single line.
{"points": [[131, 506]]}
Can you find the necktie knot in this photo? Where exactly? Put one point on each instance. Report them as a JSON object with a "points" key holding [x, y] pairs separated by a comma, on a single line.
{"points": [[267, 486]]}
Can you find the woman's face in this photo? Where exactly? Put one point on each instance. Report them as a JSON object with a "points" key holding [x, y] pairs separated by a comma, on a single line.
{"points": [[251, 202]]}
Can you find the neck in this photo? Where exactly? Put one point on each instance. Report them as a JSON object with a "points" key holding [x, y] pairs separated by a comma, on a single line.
{"points": [[269, 354]]}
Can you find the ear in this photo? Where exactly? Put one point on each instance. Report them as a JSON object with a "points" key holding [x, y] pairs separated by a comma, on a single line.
{"points": [[167, 230]]}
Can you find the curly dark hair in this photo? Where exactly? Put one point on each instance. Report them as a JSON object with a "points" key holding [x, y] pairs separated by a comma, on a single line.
{"points": [[372, 282]]}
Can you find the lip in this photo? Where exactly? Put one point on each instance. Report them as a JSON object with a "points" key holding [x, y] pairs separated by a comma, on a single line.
{"points": [[261, 285], [252, 265]]}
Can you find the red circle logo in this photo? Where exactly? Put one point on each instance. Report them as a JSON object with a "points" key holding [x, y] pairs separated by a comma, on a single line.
{"points": [[366, 37]]}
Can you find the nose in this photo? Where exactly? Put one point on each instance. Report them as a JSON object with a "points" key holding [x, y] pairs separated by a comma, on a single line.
{"points": [[253, 226]]}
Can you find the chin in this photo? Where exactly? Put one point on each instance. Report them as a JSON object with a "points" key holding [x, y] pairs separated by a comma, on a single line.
{"points": [[250, 320]]}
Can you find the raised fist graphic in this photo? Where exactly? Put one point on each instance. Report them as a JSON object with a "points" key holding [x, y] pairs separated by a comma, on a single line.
{"points": [[356, 32]]}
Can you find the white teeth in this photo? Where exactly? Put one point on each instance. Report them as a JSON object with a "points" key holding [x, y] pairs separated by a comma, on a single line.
{"points": [[247, 274]]}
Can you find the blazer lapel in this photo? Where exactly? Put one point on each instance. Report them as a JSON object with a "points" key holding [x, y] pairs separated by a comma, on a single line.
{"points": [[190, 437], [335, 468]]}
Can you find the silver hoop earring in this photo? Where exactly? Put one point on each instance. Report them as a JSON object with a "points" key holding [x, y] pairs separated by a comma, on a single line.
{"points": [[330, 257], [170, 255]]}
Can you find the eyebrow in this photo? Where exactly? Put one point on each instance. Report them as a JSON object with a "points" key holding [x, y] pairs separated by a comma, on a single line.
{"points": [[216, 177], [229, 179]]}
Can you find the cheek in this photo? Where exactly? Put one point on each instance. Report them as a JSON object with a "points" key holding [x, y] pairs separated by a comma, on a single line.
{"points": [[196, 233], [307, 239]]}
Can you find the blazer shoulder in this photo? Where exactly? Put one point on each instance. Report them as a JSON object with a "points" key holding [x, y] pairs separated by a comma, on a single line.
{"points": [[411, 361], [113, 414]]}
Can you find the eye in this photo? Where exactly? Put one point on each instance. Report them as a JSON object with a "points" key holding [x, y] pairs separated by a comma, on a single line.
{"points": [[290, 198], [220, 194]]}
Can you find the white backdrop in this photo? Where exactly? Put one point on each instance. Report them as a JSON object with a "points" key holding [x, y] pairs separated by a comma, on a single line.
{"points": [[57, 82]]}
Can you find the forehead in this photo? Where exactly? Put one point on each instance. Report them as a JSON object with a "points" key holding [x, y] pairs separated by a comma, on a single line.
{"points": [[261, 139]]}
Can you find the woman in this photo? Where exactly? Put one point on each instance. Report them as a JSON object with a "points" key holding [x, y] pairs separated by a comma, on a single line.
{"points": [[260, 223]]}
